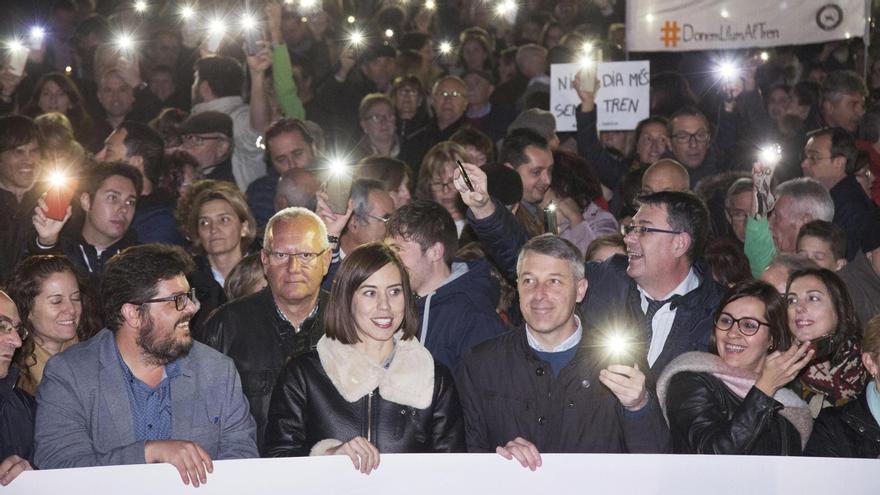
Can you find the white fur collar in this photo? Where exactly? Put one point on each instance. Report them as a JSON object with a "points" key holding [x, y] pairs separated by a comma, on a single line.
{"points": [[795, 409], [409, 380]]}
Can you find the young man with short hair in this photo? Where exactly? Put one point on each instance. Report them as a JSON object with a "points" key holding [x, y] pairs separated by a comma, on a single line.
{"points": [[824, 243]]}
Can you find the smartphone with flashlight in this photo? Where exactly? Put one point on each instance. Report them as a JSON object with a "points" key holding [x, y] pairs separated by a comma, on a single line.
{"points": [[338, 187], [589, 70], [18, 57], [58, 197], [252, 38]]}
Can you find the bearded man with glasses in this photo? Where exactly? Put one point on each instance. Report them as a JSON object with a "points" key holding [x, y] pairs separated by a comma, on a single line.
{"points": [[131, 394], [263, 331]]}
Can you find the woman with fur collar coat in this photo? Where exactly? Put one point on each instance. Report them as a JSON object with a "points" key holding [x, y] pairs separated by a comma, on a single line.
{"points": [[370, 386], [735, 402]]}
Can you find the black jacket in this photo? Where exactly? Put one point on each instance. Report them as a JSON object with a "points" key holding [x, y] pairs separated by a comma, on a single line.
{"points": [[854, 212], [251, 331], [705, 417], [507, 391], [846, 431], [612, 299], [17, 410], [308, 411], [209, 293]]}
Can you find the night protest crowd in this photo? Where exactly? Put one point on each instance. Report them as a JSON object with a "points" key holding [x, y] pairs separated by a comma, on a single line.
{"points": [[187, 277]]}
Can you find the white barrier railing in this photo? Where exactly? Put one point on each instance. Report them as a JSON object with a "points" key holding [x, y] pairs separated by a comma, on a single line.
{"points": [[485, 474]]}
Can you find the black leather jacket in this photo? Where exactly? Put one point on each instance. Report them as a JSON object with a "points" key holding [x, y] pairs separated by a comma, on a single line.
{"points": [[307, 408], [251, 331], [846, 431], [705, 417]]}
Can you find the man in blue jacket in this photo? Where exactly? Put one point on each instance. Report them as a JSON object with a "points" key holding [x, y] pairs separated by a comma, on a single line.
{"points": [[456, 301], [141, 391]]}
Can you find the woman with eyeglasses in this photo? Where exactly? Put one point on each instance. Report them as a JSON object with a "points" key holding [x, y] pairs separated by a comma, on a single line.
{"points": [[435, 179], [378, 122], [56, 309], [734, 400], [370, 387], [221, 228], [821, 314]]}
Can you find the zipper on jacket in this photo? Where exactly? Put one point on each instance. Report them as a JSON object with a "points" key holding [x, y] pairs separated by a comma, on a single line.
{"points": [[370, 417]]}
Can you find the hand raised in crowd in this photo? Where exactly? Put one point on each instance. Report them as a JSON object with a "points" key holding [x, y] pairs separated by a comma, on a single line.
{"points": [[9, 83], [363, 454], [423, 20], [347, 61], [781, 368], [334, 221], [478, 200], [260, 62], [48, 229], [11, 467], [523, 451], [588, 98], [190, 459], [273, 11], [130, 68], [627, 384], [318, 24]]}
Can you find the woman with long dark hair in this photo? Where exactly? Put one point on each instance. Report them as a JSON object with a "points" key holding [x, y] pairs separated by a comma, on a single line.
{"points": [[57, 309], [55, 92], [821, 312]]}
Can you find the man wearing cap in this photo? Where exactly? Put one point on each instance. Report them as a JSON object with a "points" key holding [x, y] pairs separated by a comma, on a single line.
{"points": [[481, 113], [208, 136], [217, 88], [339, 97], [540, 121]]}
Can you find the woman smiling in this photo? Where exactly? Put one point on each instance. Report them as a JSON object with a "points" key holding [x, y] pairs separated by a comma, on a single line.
{"points": [[735, 402], [370, 386]]}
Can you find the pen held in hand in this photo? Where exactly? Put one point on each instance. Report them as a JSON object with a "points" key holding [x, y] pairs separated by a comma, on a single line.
{"points": [[464, 175]]}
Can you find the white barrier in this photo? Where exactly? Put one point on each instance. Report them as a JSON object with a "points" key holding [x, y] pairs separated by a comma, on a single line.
{"points": [[485, 474]]}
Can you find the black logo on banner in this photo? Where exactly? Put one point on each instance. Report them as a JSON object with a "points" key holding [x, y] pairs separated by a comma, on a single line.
{"points": [[829, 17]]}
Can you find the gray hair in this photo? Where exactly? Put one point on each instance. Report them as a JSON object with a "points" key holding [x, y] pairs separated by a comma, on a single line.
{"points": [[792, 262], [360, 197], [738, 187], [842, 82], [809, 196], [555, 247], [291, 214]]}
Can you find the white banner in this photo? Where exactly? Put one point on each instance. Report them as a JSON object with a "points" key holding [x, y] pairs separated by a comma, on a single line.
{"points": [[624, 95], [623, 98], [681, 25], [484, 474]]}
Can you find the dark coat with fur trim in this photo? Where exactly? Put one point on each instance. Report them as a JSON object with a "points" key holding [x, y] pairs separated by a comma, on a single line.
{"points": [[707, 417]]}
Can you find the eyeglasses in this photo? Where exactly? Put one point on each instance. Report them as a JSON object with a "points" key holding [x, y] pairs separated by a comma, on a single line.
{"points": [[7, 327], [384, 218], [747, 326], [180, 300], [815, 157], [407, 92], [682, 137], [198, 140], [450, 94], [379, 118], [659, 142], [442, 186], [278, 258], [641, 229], [737, 213]]}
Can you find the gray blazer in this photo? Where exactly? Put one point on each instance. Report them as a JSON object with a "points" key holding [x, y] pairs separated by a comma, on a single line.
{"points": [[84, 415]]}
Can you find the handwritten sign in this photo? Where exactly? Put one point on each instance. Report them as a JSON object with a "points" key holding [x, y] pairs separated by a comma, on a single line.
{"points": [[622, 101]]}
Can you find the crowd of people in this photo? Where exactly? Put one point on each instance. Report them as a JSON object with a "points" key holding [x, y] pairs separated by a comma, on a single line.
{"points": [[352, 228]]}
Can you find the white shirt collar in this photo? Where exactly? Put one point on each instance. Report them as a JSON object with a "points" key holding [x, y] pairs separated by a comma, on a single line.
{"points": [[564, 346], [691, 282]]}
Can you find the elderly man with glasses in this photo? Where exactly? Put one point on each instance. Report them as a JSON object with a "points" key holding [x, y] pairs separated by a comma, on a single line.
{"points": [[207, 136], [138, 392], [263, 331]]}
